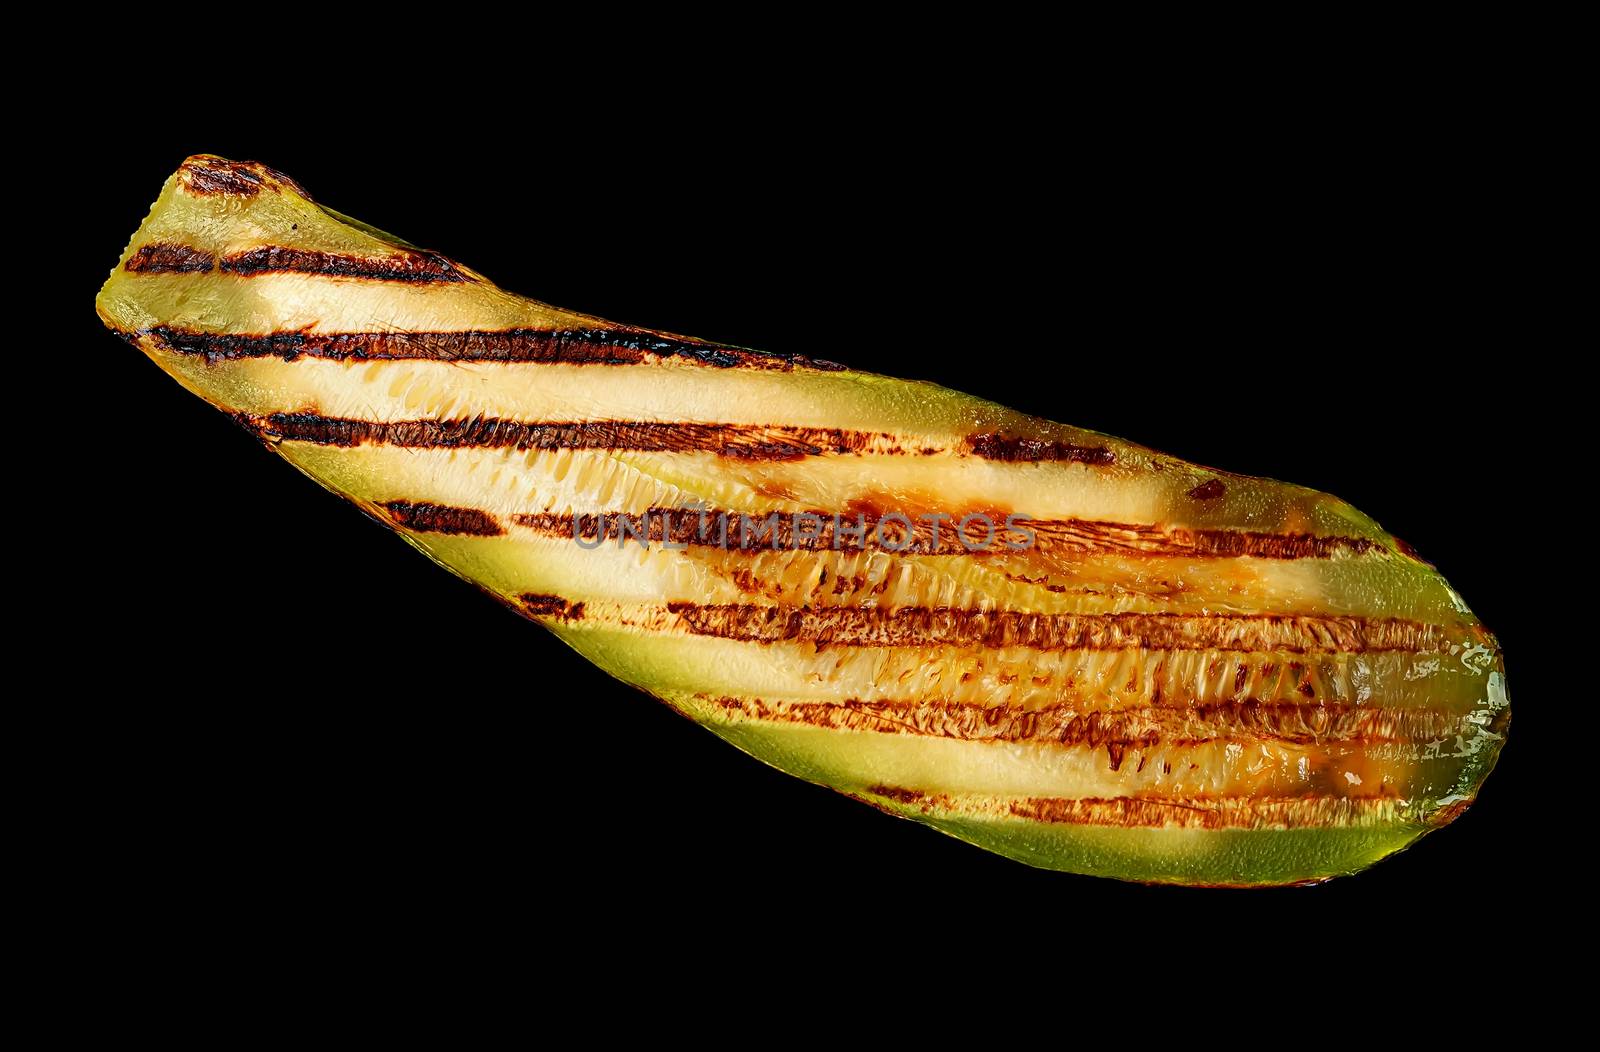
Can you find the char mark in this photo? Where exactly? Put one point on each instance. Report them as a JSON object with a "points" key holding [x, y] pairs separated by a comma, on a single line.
{"points": [[205, 175], [411, 266], [423, 517], [542, 604], [946, 626], [896, 793], [168, 258], [1219, 812], [817, 531], [1187, 812], [1149, 539], [1141, 728], [585, 346], [995, 446], [747, 442]]}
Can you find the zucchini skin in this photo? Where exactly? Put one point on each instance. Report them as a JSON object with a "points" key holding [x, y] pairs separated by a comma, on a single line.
{"points": [[1183, 676]]}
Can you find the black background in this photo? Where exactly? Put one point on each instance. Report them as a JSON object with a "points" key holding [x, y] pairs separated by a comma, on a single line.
{"points": [[302, 720]]}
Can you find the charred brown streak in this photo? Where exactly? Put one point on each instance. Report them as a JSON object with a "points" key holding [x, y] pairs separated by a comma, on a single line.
{"points": [[1224, 812], [1210, 489], [710, 527], [1184, 725], [994, 446], [1148, 539], [944, 626], [1232, 543], [166, 258], [897, 794], [1192, 812], [419, 267], [587, 346], [542, 604], [204, 175], [441, 518], [732, 440], [768, 529]]}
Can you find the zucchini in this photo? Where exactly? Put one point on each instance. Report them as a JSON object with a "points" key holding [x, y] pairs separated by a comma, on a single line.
{"points": [[1054, 644]]}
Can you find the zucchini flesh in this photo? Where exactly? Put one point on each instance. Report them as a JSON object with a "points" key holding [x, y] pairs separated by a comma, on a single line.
{"points": [[1152, 670]]}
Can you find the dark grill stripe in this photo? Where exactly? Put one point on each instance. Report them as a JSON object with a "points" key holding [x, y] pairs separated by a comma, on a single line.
{"points": [[543, 604], [1223, 812], [205, 175], [994, 446], [422, 267], [732, 440], [746, 441], [719, 528], [1292, 724], [423, 517], [1185, 812], [165, 258], [945, 626], [586, 346]]}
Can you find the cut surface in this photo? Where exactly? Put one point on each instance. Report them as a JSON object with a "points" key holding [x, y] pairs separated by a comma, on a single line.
{"points": [[1055, 644]]}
